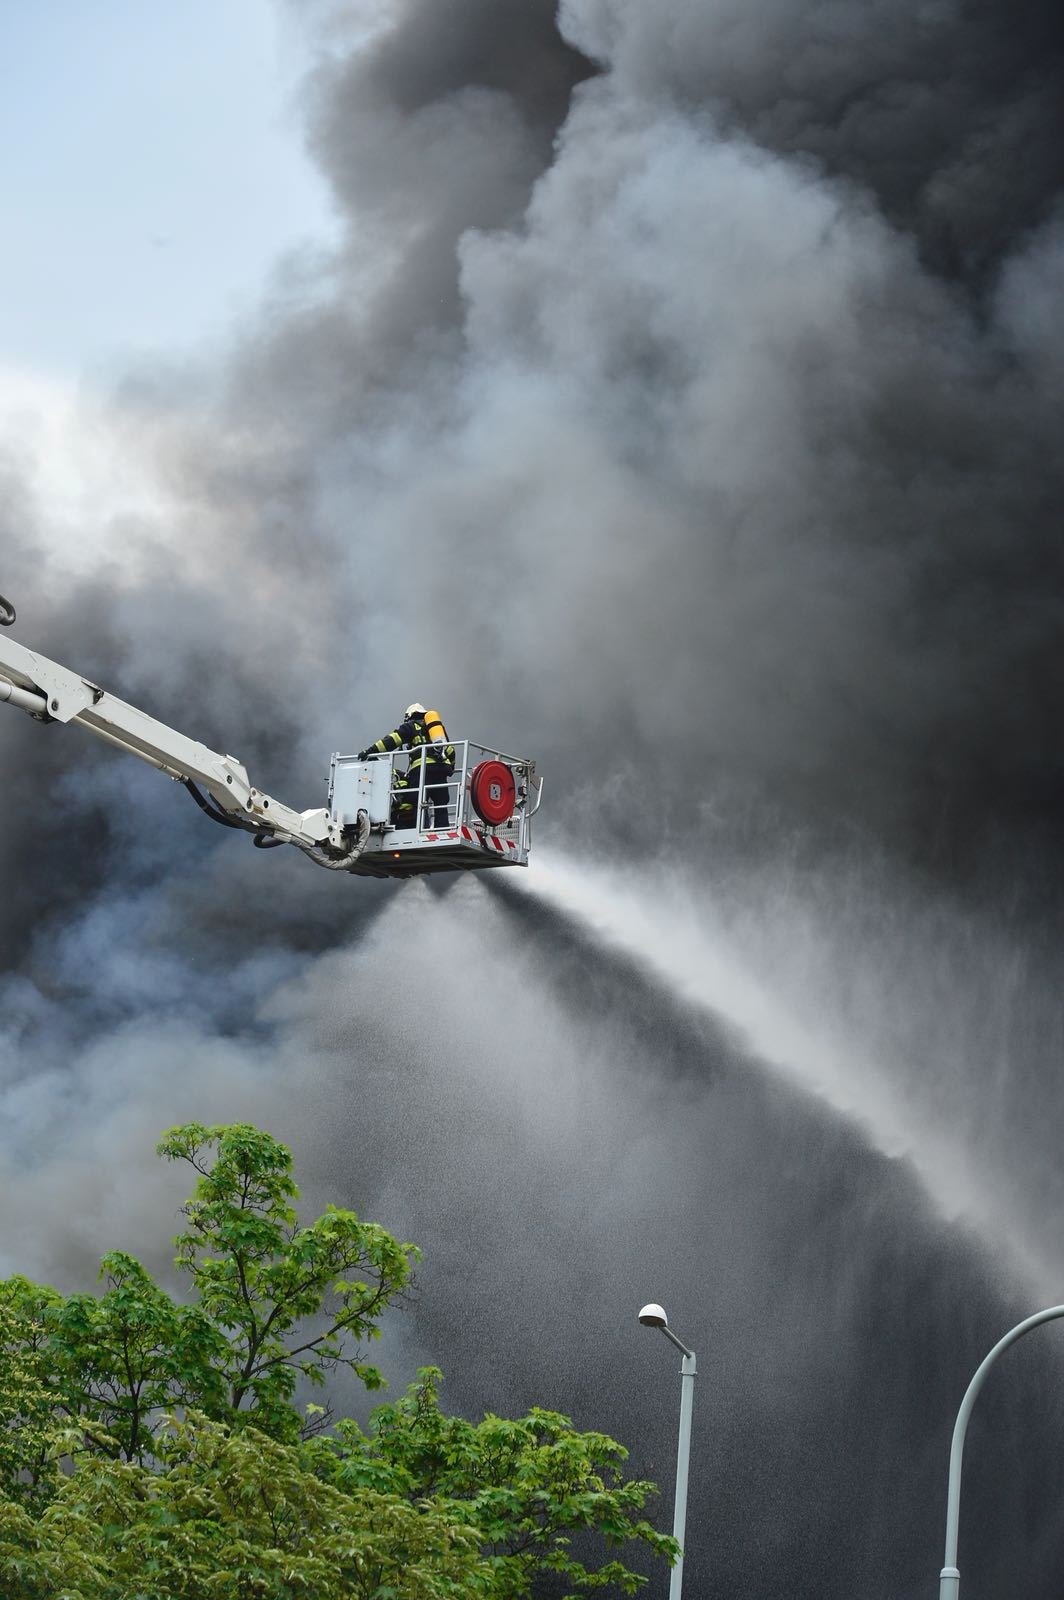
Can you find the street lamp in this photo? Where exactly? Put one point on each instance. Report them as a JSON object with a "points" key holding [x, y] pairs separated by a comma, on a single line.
{"points": [[654, 1317], [950, 1578]]}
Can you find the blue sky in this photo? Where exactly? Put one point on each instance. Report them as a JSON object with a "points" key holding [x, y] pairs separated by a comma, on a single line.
{"points": [[152, 173]]}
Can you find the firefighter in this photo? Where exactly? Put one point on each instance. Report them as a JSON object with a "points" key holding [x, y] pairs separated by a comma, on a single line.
{"points": [[424, 735]]}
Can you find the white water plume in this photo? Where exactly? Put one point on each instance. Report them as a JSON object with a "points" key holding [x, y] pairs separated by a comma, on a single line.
{"points": [[681, 943]]}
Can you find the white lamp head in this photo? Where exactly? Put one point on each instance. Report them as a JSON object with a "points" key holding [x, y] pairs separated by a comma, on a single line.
{"points": [[653, 1316]]}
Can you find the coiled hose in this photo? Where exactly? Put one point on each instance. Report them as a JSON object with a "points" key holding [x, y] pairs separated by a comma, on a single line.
{"points": [[342, 863], [7, 613]]}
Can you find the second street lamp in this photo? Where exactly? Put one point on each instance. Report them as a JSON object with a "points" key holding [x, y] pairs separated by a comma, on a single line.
{"points": [[950, 1578], [653, 1316]]}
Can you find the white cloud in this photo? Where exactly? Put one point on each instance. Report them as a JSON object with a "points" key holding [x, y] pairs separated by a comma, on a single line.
{"points": [[88, 470]]}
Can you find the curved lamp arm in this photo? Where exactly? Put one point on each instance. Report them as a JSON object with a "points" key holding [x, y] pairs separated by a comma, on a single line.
{"points": [[950, 1578]]}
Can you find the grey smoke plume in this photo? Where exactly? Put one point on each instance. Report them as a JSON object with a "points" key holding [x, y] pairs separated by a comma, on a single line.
{"points": [[949, 113], [682, 408]]}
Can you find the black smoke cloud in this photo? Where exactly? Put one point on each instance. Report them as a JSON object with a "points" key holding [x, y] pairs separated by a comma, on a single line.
{"points": [[680, 405], [950, 114], [704, 434]]}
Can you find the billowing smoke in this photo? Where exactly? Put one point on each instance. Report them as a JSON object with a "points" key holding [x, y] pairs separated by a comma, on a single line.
{"points": [[681, 408]]}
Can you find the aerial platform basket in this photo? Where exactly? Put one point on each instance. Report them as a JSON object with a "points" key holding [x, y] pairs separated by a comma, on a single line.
{"points": [[486, 821], [384, 819]]}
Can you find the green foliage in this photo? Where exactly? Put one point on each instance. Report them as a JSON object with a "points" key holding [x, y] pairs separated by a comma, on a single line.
{"points": [[229, 1515], [29, 1431], [524, 1486], [151, 1450], [292, 1301], [273, 1302], [111, 1362]]}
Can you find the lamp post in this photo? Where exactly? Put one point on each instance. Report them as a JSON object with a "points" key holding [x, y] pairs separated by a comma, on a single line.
{"points": [[950, 1578], [653, 1316]]}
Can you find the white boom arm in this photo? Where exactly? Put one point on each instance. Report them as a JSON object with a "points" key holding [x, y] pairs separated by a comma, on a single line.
{"points": [[52, 693]]}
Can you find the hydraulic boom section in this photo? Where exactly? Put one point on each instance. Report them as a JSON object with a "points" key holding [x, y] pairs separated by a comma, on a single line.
{"points": [[359, 831]]}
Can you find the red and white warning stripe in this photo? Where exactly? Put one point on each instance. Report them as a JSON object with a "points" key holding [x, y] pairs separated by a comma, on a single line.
{"points": [[474, 836]]}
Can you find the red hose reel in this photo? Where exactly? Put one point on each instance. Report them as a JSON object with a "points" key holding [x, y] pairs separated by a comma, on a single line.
{"points": [[493, 792]]}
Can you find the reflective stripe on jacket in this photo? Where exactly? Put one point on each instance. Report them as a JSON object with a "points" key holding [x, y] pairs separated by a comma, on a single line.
{"points": [[412, 735]]}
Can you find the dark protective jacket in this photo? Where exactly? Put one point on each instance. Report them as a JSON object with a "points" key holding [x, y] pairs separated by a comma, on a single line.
{"points": [[413, 735]]}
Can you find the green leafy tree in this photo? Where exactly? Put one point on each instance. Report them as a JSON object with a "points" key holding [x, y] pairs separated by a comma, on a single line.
{"points": [[112, 1361], [151, 1450], [29, 1427], [291, 1301], [524, 1486], [229, 1515], [273, 1301], [224, 1514]]}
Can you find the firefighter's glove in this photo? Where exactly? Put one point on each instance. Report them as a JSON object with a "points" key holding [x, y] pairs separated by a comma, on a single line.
{"points": [[364, 755]]}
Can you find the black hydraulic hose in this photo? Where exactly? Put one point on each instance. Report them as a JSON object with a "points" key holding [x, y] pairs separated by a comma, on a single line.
{"points": [[266, 841], [7, 613], [215, 812], [260, 838]]}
